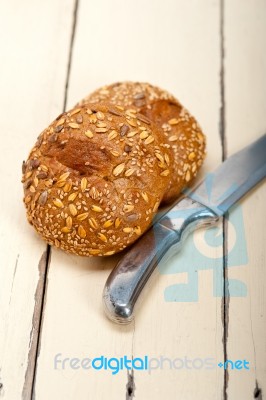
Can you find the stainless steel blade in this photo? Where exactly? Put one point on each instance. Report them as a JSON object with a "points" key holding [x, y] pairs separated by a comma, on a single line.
{"points": [[233, 178]]}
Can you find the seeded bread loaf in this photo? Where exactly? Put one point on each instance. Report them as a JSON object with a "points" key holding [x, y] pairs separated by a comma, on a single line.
{"points": [[95, 178], [181, 130]]}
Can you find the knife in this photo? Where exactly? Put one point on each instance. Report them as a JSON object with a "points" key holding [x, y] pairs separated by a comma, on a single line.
{"points": [[199, 207]]}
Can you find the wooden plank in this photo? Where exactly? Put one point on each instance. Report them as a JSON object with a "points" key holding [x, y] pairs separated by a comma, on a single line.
{"points": [[191, 329], [245, 96], [176, 47], [34, 39]]}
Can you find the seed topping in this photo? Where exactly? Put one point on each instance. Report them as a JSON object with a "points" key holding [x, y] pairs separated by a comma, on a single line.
{"points": [[73, 125], [43, 198], [118, 169], [82, 216], [73, 210], [108, 223], [128, 207], [96, 208], [112, 135], [124, 129], [58, 203], [173, 121], [83, 184], [93, 223], [81, 231], [149, 140], [145, 197], [89, 134], [165, 172], [102, 237]]}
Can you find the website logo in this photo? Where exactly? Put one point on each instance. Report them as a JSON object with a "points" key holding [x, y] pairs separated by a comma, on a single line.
{"points": [[144, 363]]}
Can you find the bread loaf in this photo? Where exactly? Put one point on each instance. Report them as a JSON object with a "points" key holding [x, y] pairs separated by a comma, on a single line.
{"points": [[95, 178], [181, 130]]}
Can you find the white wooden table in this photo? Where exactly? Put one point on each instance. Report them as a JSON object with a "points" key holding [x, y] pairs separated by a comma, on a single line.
{"points": [[212, 55]]}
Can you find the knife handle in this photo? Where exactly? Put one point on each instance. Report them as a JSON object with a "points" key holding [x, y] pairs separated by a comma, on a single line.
{"points": [[125, 283]]}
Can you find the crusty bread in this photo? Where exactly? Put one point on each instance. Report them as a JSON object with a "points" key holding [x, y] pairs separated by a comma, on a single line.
{"points": [[97, 175], [95, 178], [180, 129]]}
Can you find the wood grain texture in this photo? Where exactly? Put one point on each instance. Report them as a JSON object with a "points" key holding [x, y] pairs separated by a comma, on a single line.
{"points": [[245, 95], [32, 79]]}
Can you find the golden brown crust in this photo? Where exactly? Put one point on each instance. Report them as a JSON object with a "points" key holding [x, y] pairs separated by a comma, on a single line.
{"points": [[181, 130], [95, 179]]}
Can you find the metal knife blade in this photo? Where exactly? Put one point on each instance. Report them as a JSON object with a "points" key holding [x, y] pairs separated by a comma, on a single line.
{"points": [[233, 178], [202, 206]]}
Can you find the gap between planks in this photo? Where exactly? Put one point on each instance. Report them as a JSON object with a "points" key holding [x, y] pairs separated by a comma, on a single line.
{"points": [[41, 289], [36, 326], [222, 129], [257, 394]]}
